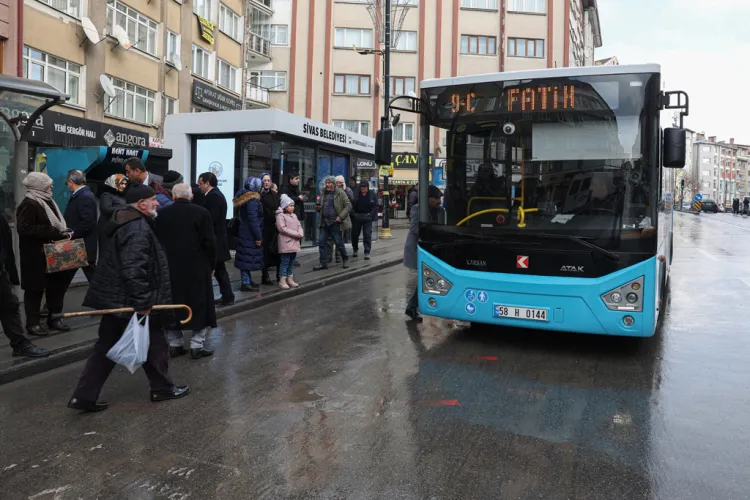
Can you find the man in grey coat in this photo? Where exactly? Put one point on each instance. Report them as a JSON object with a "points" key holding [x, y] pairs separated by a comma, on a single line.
{"points": [[410, 247]]}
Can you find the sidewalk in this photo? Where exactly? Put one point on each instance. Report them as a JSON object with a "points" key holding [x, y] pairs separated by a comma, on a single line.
{"points": [[75, 345]]}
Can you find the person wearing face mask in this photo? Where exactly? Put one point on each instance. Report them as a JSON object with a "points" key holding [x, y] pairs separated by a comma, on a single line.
{"points": [[39, 221], [134, 274]]}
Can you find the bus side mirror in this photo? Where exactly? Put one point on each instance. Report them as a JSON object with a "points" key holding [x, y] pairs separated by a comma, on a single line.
{"points": [[383, 146], [674, 148]]}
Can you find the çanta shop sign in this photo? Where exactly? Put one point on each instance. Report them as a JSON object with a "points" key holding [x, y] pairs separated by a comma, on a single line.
{"points": [[213, 98], [58, 129], [206, 28], [408, 160]]}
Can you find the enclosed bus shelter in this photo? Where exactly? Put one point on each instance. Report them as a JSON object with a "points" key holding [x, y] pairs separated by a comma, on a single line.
{"points": [[236, 145]]}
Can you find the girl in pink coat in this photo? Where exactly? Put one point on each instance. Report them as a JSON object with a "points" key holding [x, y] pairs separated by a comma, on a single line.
{"points": [[290, 236]]}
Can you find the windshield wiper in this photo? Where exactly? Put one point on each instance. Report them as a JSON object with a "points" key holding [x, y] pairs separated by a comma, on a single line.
{"points": [[580, 240]]}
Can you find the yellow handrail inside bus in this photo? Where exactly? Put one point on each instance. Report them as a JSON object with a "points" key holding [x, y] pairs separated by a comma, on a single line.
{"points": [[482, 198], [482, 212], [522, 215]]}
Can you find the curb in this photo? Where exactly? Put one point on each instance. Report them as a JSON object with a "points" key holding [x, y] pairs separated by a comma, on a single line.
{"points": [[70, 354]]}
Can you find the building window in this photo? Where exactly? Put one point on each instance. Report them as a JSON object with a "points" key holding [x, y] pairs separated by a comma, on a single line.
{"points": [[528, 6], [140, 29], [173, 46], [170, 106], [407, 41], [403, 132], [483, 45], [353, 126], [523, 47], [271, 80], [70, 7], [228, 76], [230, 23], [346, 37], [260, 31], [280, 34], [63, 75], [202, 8], [479, 4], [201, 63], [402, 85], [132, 102], [351, 84]]}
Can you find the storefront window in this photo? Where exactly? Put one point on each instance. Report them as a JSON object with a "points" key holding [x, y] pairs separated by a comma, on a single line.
{"points": [[256, 158]]}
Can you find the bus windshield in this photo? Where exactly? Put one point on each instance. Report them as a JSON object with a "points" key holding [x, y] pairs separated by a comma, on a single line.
{"points": [[572, 156]]}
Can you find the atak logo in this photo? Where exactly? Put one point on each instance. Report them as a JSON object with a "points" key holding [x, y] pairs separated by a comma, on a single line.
{"points": [[476, 263], [572, 269], [522, 262], [216, 168]]}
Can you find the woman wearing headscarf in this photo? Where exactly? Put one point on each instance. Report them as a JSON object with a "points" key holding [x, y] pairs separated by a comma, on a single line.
{"points": [[39, 221], [111, 199], [249, 254], [269, 196]]}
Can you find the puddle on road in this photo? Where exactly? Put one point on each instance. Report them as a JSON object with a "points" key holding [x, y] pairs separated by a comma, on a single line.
{"points": [[301, 392]]}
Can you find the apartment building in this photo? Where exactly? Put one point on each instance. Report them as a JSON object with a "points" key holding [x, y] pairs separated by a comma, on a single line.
{"points": [[315, 72], [9, 37], [719, 169], [138, 61]]}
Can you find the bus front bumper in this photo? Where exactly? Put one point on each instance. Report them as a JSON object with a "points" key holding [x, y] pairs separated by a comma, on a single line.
{"points": [[569, 304]]}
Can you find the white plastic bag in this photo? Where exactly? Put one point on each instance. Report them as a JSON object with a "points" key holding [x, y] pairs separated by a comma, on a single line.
{"points": [[132, 348]]}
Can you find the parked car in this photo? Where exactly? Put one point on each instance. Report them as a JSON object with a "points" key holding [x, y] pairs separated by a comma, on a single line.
{"points": [[709, 205]]}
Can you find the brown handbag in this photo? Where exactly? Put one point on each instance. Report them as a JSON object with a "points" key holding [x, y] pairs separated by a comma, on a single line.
{"points": [[65, 255]]}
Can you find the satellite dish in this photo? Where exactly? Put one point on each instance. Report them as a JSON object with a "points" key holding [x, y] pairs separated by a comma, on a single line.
{"points": [[122, 36], [90, 30], [175, 60], [107, 86]]}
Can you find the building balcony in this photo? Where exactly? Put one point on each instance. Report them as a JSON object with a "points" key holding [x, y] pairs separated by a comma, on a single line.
{"points": [[258, 46], [258, 97], [265, 4]]}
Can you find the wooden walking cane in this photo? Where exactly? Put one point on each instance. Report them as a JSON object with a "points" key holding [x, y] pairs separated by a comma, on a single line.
{"points": [[102, 312]]}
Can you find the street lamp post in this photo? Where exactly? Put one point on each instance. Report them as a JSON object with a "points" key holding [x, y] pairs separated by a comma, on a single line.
{"points": [[385, 228]]}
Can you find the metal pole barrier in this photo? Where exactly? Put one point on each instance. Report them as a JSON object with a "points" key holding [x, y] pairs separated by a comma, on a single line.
{"points": [[385, 229]]}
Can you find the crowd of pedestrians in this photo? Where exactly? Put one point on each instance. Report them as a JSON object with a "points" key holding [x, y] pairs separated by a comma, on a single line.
{"points": [[154, 240]]}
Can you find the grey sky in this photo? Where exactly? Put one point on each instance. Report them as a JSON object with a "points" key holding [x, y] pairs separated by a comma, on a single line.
{"points": [[702, 48]]}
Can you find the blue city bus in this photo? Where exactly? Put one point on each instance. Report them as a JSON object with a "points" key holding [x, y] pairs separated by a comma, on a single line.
{"points": [[558, 200]]}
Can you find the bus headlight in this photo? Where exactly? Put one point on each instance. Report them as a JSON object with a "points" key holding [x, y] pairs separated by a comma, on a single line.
{"points": [[633, 301], [433, 283]]}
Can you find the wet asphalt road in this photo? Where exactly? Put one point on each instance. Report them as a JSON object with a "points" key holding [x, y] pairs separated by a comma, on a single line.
{"points": [[334, 395]]}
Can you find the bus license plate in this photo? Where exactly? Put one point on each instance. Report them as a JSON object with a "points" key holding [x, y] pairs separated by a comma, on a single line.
{"points": [[525, 313]]}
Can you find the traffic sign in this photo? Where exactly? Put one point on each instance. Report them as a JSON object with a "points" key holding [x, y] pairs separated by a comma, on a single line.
{"points": [[698, 197]]}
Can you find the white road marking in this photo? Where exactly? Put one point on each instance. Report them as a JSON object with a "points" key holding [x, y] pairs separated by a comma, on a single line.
{"points": [[57, 492]]}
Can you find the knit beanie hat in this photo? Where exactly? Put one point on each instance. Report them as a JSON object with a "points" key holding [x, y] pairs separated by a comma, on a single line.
{"points": [[137, 192], [286, 201]]}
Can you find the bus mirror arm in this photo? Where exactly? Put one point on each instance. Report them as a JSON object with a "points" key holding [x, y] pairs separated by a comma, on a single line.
{"points": [[683, 103]]}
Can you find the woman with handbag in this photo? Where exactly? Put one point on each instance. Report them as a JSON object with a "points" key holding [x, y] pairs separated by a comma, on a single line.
{"points": [[39, 221]]}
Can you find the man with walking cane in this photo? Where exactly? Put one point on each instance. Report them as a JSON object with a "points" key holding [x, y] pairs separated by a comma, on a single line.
{"points": [[134, 273]]}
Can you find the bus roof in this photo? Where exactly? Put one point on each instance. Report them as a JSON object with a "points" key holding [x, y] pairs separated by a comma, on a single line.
{"points": [[541, 73]]}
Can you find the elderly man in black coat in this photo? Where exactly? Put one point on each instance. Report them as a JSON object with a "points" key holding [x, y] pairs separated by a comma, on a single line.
{"points": [[134, 274], [81, 216], [216, 204], [186, 232]]}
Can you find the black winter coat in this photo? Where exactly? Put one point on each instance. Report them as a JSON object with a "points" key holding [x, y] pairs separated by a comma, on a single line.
{"points": [[7, 257], [186, 233], [216, 205], [294, 193], [34, 230], [135, 272], [109, 202], [80, 215], [271, 202], [372, 199]]}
